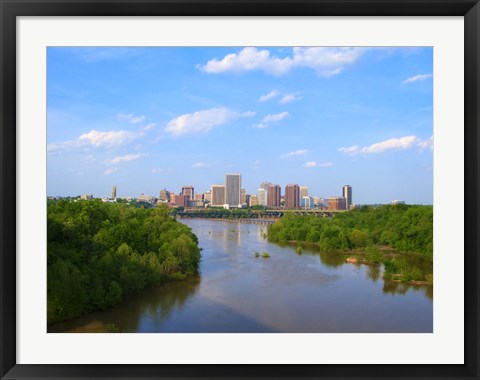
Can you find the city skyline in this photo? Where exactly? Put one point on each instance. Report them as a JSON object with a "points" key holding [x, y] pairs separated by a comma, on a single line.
{"points": [[153, 118]]}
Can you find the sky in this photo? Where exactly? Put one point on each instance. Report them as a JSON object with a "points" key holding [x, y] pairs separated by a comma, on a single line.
{"points": [[148, 118]]}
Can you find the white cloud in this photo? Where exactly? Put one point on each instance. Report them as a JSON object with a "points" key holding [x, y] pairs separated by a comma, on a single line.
{"points": [[110, 171], [127, 157], [268, 96], [406, 142], [274, 118], [417, 78], [426, 144], [131, 118], [325, 164], [256, 164], [94, 139], [295, 153], [200, 165], [202, 121], [314, 164], [90, 159], [148, 127], [269, 119], [287, 98], [350, 150], [326, 61]]}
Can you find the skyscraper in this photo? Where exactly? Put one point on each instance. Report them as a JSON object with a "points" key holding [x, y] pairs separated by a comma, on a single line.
{"points": [[243, 196], [292, 196], [273, 197], [263, 195], [164, 195], [114, 192], [218, 195], [233, 185], [188, 190], [303, 191], [347, 194]]}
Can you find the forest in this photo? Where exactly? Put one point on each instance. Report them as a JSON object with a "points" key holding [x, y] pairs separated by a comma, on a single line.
{"points": [[98, 253], [367, 230]]}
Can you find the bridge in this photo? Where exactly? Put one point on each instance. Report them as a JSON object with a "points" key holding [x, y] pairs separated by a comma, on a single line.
{"points": [[252, 216]]}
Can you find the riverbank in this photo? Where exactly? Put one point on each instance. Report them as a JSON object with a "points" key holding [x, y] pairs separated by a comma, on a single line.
{"points": [[411, 268]]}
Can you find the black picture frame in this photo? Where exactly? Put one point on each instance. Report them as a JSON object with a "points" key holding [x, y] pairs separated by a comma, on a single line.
{"points": [[10, 9]]}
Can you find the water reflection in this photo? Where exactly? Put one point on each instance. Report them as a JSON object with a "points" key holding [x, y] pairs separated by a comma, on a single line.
{"points": [[153, 305], [374, 272], [397, 287]]}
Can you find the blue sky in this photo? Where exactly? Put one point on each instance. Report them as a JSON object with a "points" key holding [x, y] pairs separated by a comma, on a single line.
{"points": [[145, 119]]}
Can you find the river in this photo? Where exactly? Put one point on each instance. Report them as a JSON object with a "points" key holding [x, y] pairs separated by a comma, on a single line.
{"points": [[236, 292]]}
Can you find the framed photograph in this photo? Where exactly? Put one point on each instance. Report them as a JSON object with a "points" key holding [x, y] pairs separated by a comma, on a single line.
{"points": [[217, 189]]}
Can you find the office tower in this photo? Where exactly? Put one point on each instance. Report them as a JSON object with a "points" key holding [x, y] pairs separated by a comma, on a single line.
{"points": [[198, 197], [188, 190], [337, 203], [243, 196], [292, 196], [253, 201], [180, 200], [347, 194], [233, 184], [263, 197], [207, 196], [273, 197], [307, 203], [165, 195], [114, 192], [218, 195], [303, 191]]}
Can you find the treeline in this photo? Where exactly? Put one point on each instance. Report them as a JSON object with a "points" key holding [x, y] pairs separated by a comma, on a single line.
{"points": [[221, 213], [99, 252], [404, 228]]}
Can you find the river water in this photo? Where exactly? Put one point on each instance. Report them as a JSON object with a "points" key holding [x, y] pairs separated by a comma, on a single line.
{"points": [[287, 292]]}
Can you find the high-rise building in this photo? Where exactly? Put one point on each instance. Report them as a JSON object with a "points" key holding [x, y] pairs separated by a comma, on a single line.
{"points": [[207, 196], [218, 195], [273, 197], [303, 191], [307, 203], [164, 195], [188, 190], [337, 203], [263, 196], [243, 196], [86, 196], [292, 196], [114, 192], [253, 201], [347, 194], [233, 184], [180, 200]]}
